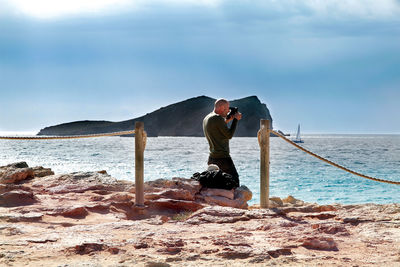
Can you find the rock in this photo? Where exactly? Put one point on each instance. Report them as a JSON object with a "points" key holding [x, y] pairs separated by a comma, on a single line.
{"points": [[264, 227], [163, 193], [273, 204], [118, 197], [143, 243], [288, 224], [74, 212], [259, 259], [209, 251], [243, 193], [17, 198], [164, 218], [354, 220], [173, 205], [236, 198], [236, 253], [277, 201], [10, 187], [180, 194], [217, 192], [17, 165], [292, 200], [27, 217], [41, 240], [173, 243], [80, 182], [170, 250], [158, 220], [226, 202], [114, 250], [325, 208], [189, 185], [392, 209], [77, 211], [217, 214], [319, 243], [8, 230], [13, 175], [321, 215], [276, 252], [230, 241], [87, 248], [39, 171], [289, 199], [307, 208], [157, 264], [331, 228]]}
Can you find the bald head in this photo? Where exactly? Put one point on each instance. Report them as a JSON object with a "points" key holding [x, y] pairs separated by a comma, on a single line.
{"points": [[221, 107], [220, 102]]}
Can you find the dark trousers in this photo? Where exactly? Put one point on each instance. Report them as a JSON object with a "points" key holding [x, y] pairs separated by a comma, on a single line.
{"points": [[225, 165]]}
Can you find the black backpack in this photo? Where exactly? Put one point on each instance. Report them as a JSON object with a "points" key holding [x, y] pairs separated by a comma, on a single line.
{"points": [[216, 179]]}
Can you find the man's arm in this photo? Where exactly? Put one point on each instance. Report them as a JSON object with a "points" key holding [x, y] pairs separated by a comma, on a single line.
{"points": [[228, 132]]}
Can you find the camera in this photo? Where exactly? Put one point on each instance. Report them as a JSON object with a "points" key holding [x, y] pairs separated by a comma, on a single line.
{"points": [[232, 112]]}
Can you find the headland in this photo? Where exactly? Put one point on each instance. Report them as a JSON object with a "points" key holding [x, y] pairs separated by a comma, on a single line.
{"points": [[178, 119]]}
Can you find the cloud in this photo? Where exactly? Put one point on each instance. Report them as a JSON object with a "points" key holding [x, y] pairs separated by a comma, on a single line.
{"points": [[281, 35], [338, 9], [48, 9], [45, 9], [369, 9], [159, 47]]}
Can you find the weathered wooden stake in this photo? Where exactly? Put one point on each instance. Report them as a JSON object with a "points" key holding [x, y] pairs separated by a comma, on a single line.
{"points": [[139, 165], [264, 163]]}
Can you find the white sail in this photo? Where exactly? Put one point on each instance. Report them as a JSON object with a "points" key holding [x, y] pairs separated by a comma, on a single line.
{"points": [[298, 138]]}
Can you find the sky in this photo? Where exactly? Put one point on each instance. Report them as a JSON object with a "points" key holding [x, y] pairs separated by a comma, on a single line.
{"points": [[331, 65]]}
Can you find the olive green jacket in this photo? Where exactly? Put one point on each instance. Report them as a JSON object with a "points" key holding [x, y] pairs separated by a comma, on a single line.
{"points": [[218, 134]]}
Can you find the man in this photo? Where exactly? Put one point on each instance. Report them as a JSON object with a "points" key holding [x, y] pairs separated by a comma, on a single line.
{"points": [[218, 134]]}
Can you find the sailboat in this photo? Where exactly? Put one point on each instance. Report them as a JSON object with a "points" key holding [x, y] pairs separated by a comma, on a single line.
{"points": [[298, 138]]}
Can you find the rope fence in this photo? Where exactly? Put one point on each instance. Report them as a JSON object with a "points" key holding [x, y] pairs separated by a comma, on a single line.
{"points": [[333, 163], [263, 140], [67, 136], [140, 144]]}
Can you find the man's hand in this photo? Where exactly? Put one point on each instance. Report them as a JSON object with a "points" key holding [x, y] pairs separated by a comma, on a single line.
{"points": [[238, 116]]}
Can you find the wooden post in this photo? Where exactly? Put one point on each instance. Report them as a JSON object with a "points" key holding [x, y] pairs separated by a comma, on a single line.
{"points": [[139, 165], [264, 163]]}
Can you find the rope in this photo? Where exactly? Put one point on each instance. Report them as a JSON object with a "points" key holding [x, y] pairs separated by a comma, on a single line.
{"points": [[65, 137], [332, 163]]}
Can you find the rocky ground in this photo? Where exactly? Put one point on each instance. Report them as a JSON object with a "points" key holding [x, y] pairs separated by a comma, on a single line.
{"points": [[89, 219]]}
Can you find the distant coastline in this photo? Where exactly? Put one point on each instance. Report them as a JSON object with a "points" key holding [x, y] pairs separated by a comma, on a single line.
{"points": [[22, 133]]}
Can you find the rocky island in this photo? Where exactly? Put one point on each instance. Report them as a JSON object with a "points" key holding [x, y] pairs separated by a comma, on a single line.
{"points": [[179, 119], [89, 219]]}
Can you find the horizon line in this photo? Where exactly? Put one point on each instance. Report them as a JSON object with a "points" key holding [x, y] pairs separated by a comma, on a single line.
{"points": [[13, 133]]}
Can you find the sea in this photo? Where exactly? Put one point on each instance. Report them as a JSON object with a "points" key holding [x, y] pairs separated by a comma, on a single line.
{"points": [[292, 172]]}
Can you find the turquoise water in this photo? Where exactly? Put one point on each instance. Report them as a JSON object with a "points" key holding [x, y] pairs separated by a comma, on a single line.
{"points": [[292, 172]]}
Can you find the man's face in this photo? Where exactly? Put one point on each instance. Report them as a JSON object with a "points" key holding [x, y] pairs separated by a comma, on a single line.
{"points": [[225, 110]]}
